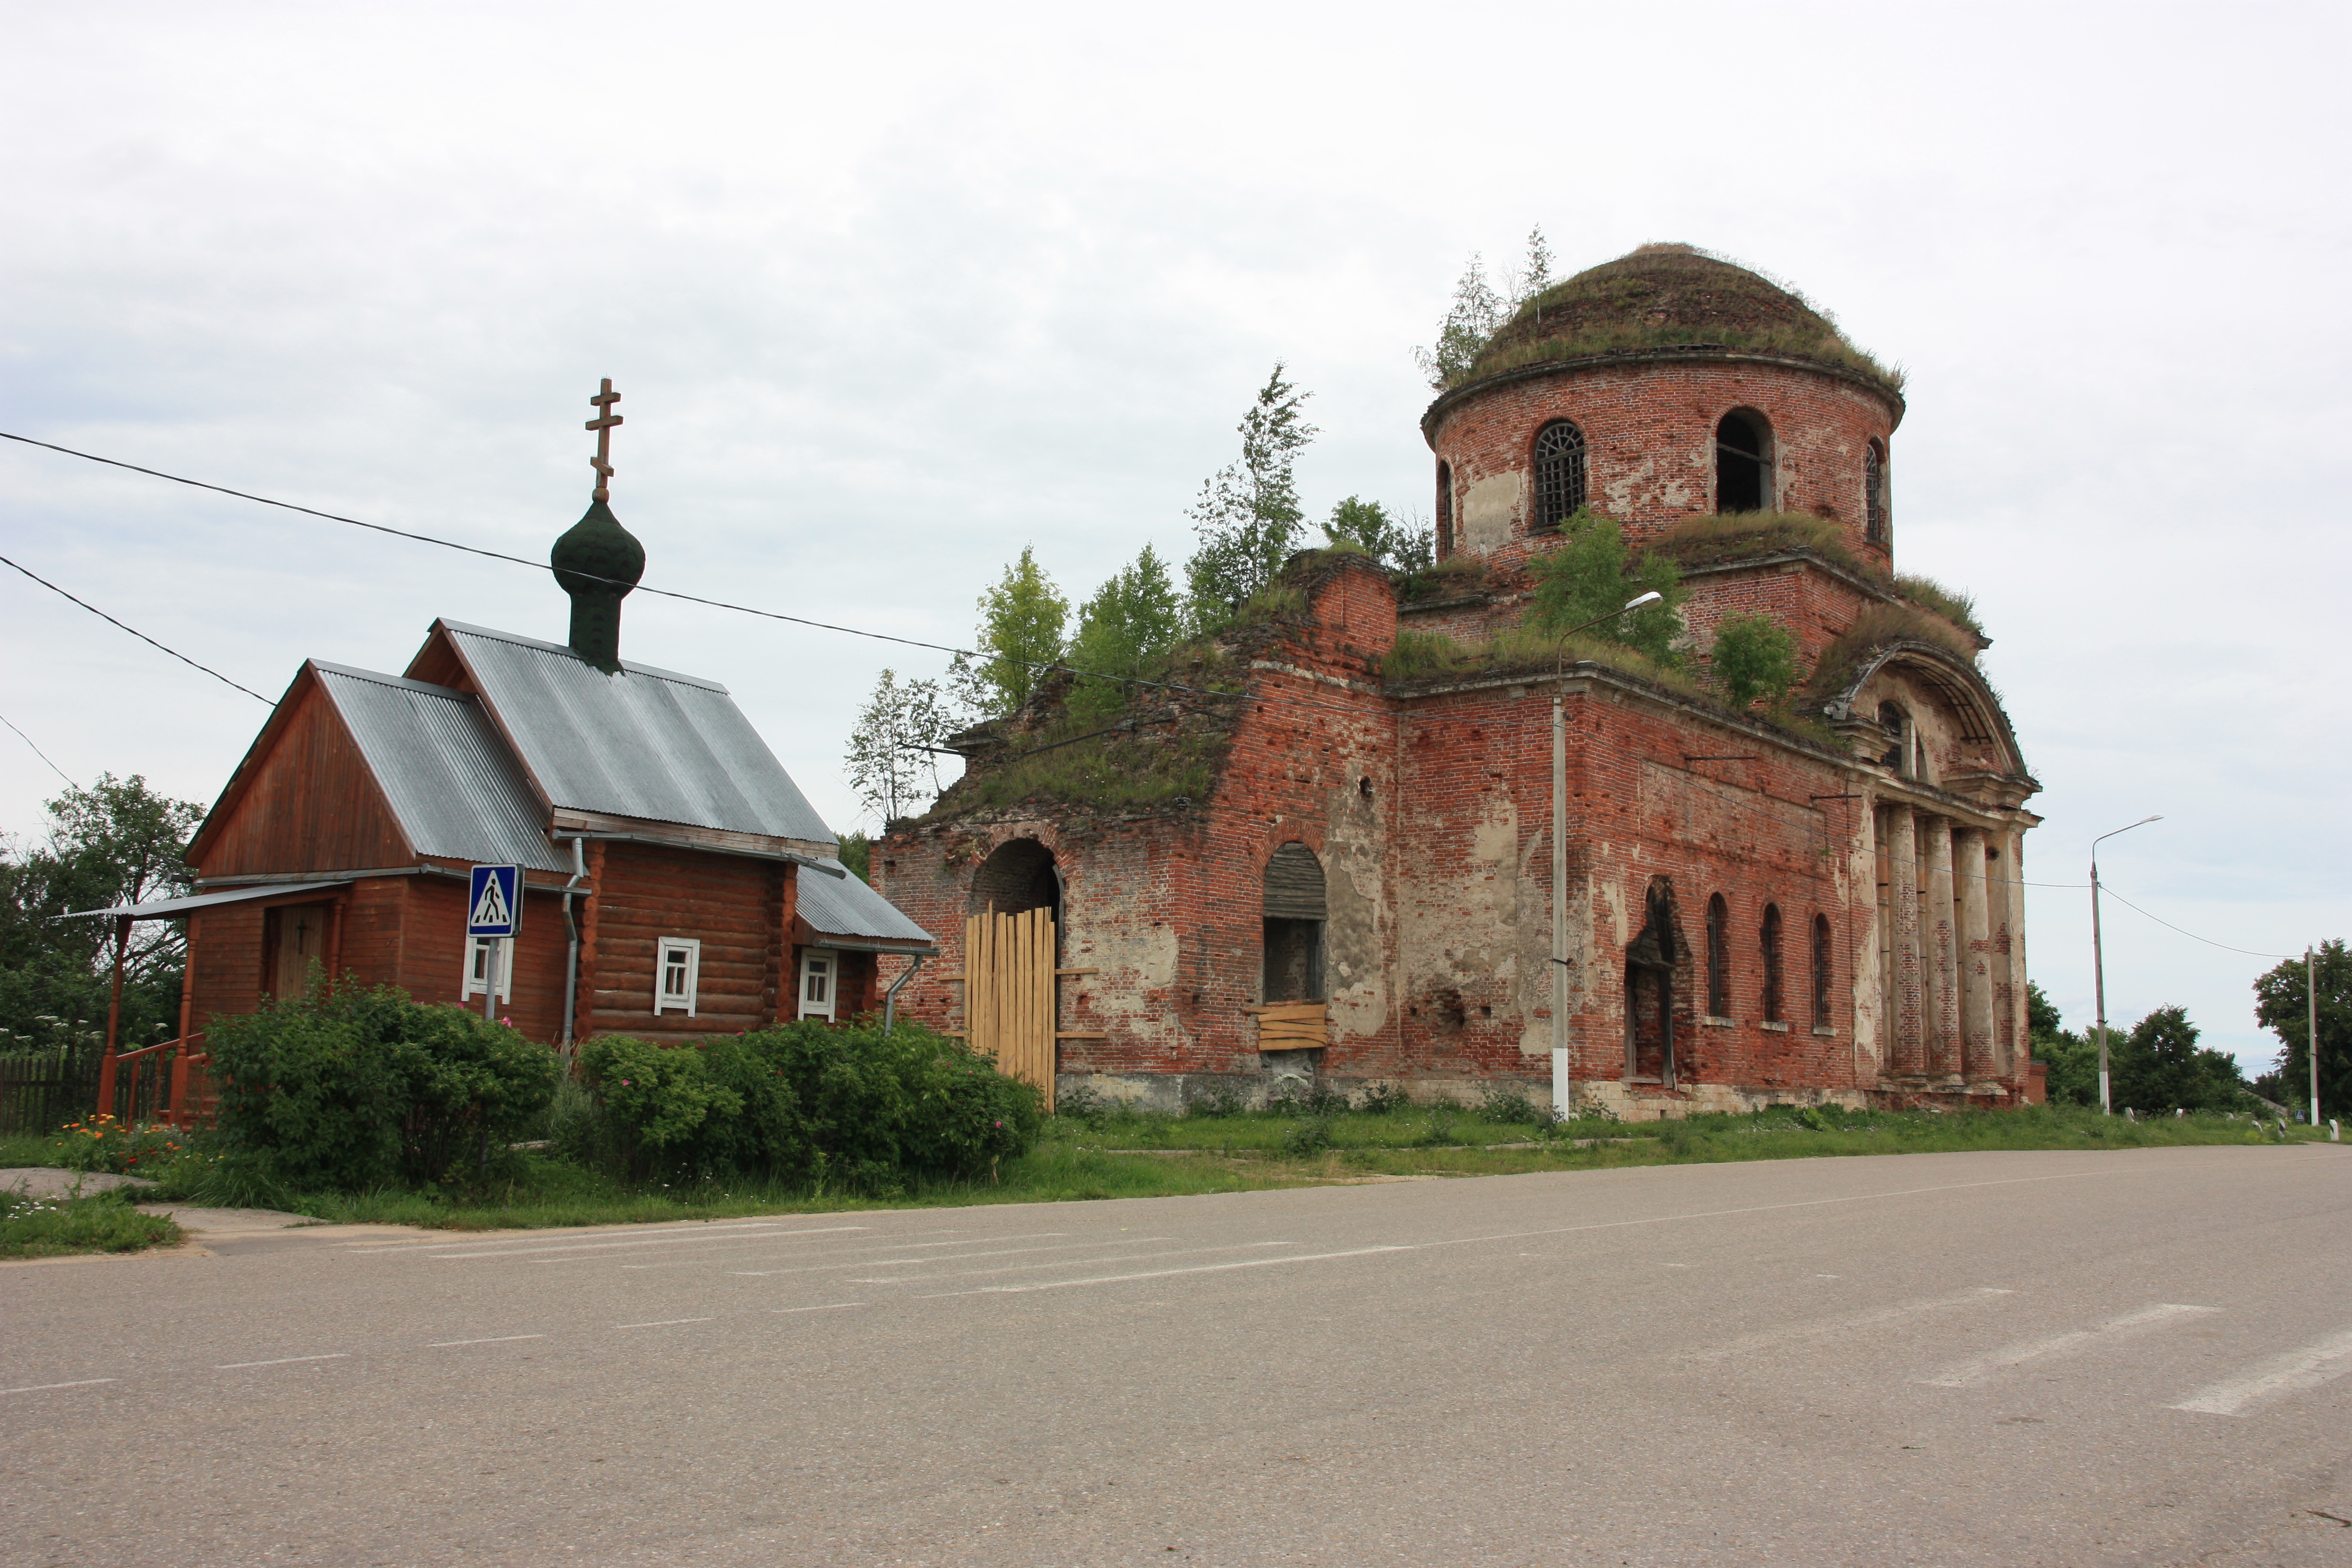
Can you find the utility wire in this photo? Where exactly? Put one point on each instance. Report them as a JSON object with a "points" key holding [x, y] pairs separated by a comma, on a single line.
{"points": [[2108, 889], [135, 632], [40, 753], [663, 592]]}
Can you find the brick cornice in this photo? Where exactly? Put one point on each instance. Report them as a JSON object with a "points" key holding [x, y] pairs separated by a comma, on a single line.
{"points": [[1681, 353]]}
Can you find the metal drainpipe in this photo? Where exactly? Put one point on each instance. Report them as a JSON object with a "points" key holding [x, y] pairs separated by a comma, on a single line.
{"points": [[890, 997], [572, 963]]}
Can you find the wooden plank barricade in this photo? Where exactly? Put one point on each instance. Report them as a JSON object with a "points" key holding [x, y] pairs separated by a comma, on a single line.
{"points": [[1008, 994]]}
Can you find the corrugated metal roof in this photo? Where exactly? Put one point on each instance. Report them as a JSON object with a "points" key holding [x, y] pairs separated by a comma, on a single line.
{"points": [[171, 909], [451, 781], [646, 743], [844, 907]]}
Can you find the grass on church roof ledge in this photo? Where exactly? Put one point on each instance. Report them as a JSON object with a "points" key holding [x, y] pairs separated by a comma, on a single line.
{"points": [[1718, 538]]}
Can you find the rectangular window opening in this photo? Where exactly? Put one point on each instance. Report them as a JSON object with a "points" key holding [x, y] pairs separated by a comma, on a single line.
{"points": [[677, 974], [478, 965], [820, 983]]}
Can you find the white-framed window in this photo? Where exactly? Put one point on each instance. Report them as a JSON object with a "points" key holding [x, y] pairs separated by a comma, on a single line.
{"points": [[678, 972], [820, 982], [478, 965]]}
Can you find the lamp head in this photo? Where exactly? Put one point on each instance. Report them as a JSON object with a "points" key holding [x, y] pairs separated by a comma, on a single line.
{"points": [[1652, 597]]}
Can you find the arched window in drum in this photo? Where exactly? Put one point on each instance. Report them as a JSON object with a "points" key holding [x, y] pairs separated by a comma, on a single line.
{"points": [[1559, 475]]}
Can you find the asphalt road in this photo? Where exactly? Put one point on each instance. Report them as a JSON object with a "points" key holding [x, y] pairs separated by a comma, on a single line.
{"points": [[2137, 1357]]}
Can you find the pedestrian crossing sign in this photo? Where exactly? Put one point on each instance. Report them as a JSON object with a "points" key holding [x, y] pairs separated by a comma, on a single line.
{"points": [[494, 901]]}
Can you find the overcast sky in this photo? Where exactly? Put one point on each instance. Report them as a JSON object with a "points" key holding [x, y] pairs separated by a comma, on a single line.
{"points": [[892, 292]]}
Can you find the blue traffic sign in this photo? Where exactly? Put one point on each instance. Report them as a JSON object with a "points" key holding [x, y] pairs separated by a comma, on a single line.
{"points": [[494, 901]]}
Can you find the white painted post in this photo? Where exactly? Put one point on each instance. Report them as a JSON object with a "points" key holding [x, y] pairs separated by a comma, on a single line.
{"points": [[490, 980], [1561, 1089]]}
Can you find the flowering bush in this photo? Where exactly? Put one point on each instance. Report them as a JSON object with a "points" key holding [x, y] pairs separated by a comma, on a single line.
{"points": [[805, 1101], [101, 1144]]}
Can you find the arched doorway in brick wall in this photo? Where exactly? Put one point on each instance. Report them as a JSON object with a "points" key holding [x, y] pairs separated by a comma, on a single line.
{"points": [[1018, 876]]}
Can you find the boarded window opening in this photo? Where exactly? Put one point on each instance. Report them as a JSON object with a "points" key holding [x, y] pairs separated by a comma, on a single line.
{"points": [[1445, 511], [1874, 493], [1559, 475], [1822, 972], [1651, 961], [1743, 451], [1294, 915], [1719, 957]]}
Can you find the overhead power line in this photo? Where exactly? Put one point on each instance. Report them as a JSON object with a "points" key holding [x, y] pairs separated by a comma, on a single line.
{"points": [[40, 753], [663, 592], [2108, 889], [135, 632]]}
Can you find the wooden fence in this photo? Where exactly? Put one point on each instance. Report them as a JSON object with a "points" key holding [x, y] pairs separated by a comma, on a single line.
{"points": [[40, 1091]]}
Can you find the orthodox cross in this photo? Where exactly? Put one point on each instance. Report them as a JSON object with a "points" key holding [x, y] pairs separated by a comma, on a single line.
{"points": [[602, 424]]}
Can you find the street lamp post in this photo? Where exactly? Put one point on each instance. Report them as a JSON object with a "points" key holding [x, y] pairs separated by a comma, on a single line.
{"points": [[2098, 965], [1563, 1086]]}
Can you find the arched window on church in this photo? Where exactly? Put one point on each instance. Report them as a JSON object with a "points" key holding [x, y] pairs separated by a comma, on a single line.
{"points": [[1719, 958], [1874, 493], [1743, 462], [1897, 725], [1822, 972], [1559, 475], [1775, 1007], [1445, 511]]}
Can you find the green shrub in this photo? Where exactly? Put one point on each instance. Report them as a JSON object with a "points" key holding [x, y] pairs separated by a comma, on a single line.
{"points": [[1509, 1104], [1302, 1139], [1385, 1098], [347, 1090], [1754, 657], [805, 1102]]}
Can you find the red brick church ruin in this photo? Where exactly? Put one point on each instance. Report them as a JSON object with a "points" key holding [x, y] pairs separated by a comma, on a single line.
{"points": [[1348, 867]]}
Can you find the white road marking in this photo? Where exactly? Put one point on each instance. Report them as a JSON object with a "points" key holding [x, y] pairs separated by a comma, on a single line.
{"points": [[828, 1307], [282, 1361], [1819, 1328], [2002, 1360], [493, 1340], [1162, 1273], [44, 1387], [494, 1250], [2296, 1371], [1065, 1263], [906, 1262], [664, 1322]]}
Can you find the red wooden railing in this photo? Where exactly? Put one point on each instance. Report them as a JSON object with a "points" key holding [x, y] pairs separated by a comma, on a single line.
{"points": [[166, 1085]]}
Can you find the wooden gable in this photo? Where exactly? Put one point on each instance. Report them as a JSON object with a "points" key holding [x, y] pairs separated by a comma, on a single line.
{"points": [[304, 799]]}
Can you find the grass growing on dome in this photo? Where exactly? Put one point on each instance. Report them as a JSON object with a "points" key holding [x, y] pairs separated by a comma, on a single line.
{"points": [[1154, 763], [1671, 296]]}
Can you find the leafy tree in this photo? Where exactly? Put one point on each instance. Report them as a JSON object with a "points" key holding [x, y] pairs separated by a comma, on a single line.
{"points": [[2042, 1016], [1588, 575], [1469, 322], [1131, 619], [1754, 656], [116, 842], [1534, 275], [2160, 1067], [1400, 547], [887, 766], [1248, 513], [2283, 1005], [858, 854], [1021, 622]]}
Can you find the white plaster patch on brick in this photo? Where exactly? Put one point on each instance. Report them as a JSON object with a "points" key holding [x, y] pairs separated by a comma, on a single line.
{"points": [[1487, 512]]}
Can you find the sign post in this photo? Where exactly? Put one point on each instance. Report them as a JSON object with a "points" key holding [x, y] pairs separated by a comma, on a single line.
{"points": [[494, 912]]}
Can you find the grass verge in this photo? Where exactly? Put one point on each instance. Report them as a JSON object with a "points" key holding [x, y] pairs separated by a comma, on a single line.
{"points": [[1118, 1154], [53, 1227]]}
